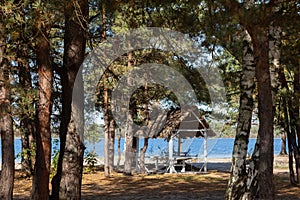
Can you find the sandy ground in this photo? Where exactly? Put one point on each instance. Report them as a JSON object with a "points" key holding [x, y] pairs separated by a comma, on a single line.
{"points": [[210, 185]]}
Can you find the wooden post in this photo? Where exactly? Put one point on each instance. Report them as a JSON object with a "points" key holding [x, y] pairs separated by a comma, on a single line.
{"points": [[124, 145], [137, 155], [179, 145], [205, 151], [171, 160]]}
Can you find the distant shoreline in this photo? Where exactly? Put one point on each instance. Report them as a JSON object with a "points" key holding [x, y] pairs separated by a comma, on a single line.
{"points": [[19, 137]]}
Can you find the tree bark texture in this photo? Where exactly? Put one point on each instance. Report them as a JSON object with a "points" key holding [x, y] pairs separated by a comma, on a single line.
{"points": [[109, 131], [257, 22], [111, 145], [72, 163], [274, 58], [6, 128], [106, 129], [146, 138], [67, 182], [237, 182], [283, 144], [40, 185], [129, 151], [290, 126], [260, 39], [296, 108], [142, 156]]}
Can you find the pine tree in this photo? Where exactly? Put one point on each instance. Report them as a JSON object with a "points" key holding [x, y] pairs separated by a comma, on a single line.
{"points": [[6, 122]]}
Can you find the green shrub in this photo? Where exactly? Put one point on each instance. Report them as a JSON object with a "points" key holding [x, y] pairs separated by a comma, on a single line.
{"points": [[90, 159]]}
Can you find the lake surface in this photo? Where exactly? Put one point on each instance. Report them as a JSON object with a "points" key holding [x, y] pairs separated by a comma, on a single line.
{"points": [[216, 147]]}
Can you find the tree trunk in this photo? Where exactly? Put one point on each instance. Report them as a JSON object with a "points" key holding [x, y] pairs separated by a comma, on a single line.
{"points": [[6, 128], [142, 156], [111, 145], [253, 170], [263, 156], [146, 139], [27, 123], [290, 126], [237, 184], [274, 59], [67, 181], [296, 108], [129, 151], [66, 99], [119, 150], [73, 156], [293, 146], [283, 144], [40, 185], [265, 112], [130, 154], [106, 130], [109, 137], [290, 141], [27, 147], [109, 133]]}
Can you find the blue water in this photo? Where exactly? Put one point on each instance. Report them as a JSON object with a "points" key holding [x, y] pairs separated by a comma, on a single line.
{"points": [[216, 147]]}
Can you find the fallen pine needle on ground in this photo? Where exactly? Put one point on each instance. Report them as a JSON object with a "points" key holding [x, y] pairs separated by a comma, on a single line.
{"points": [[211, 185]]}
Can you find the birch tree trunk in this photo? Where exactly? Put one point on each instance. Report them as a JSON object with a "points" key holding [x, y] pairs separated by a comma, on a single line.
{"points": [[257, 28], [244, 184], [266, 41], [237, 183]]}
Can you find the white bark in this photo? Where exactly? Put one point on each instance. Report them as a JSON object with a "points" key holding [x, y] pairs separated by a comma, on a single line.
{"points": [[237, 185]]}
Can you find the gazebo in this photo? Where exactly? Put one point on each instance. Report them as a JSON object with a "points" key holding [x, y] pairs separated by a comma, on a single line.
{"points": [[185, 124]]}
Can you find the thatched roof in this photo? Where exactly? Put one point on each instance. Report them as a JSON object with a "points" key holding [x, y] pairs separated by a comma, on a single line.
{"points": [[186, 122], [182, 121]]}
